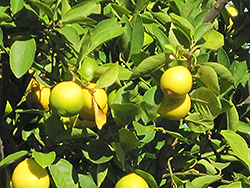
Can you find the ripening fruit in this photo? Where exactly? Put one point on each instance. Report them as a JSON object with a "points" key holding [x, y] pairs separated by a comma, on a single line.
{"points": [[176, 81], [100, 96], [131, 180], [175, 108], [232, 11], [67, 98], [88, 67], [38, 97], [29, 174]]}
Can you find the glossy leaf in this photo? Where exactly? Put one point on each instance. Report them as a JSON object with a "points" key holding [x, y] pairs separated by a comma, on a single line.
{"points": [[213, 40], [12, 158], [4, 17], [137, 36], [44, 159], [208, 76], [223, 58], [202, 30], [148, 177], [204, 181], [128, 140], [79, 13], [86, 181], [84, 47], [238, 145], [104, 31], [151, 64], [16, 5], [22, 55], [70, 33], [209, 167], [44, 7], [108, 77], [61, 173], [232, 118]]}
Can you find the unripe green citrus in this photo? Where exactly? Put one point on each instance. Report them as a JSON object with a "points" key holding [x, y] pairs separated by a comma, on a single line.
{"points": [[88, 67], [175, 108], [67, 98], [131, 180], [176, 81], [29, 174]]}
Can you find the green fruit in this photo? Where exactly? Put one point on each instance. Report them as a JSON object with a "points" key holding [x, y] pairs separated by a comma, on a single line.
{"points": [[87, 68], [67, 98], [131, 180]]}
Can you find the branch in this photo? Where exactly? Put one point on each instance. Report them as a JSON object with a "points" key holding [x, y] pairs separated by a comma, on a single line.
{"points": [[215, 11]]}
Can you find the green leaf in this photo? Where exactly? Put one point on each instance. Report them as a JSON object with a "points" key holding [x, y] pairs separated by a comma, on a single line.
{"points": [[151, 64], [84, 47], [79, 13], [120, 153], [203, 98], [120, 10], [128, 140], [199, 123], [22, 55], [237, 184], [232, 118], [104, 31], [86, 181], [226, 79], [4, 17], [124, 113], [204, 181], [102, 172], [208, 76], [12, 158], [141, 129], [98, 152], [108, 77], [44, 159], [213, 40], [16, 5], [223, 58], [65, 7], [137, 36], [183, 24], [44, 7], [202, 30], [148, 177], [209, 167], [70, 34], [62, 174], [238, 145]]}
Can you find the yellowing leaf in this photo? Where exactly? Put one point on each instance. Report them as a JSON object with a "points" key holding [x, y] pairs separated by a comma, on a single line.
{"points": [[100, 115]]}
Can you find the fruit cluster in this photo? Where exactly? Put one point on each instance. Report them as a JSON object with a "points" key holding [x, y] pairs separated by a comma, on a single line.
{"points": [[67, 99], [175, 83]]}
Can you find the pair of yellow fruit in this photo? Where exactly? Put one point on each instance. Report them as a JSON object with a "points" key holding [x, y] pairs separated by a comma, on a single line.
{"points": [[29, 174], [67, 98], [175, 83]]}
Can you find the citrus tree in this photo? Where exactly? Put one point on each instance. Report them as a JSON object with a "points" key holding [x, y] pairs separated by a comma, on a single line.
{"points": [[82, 93]]}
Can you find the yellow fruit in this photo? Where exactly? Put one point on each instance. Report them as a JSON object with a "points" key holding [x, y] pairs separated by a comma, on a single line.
{"points": [[100, 96], [38, 97], [88, 67], [67, 98], [232, 11], [131, 180], [176, 81], [29, 174], [175, 108]]}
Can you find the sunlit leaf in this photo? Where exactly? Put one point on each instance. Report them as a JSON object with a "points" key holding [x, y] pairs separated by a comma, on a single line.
{"points": [[44, 159], [213, 40]]}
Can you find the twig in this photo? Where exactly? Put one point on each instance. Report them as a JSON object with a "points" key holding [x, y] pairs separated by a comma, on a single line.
{"points": [[215, 11]]}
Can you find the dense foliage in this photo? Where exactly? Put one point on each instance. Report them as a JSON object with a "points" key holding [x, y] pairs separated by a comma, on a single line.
{"points": [[133, 43]]}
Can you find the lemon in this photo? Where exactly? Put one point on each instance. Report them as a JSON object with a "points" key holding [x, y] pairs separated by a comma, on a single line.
{"points": [[67, 98], [131, 180], [175, 109], [176, 81], [232, 11], [38, 97], [88, 66], [29, 174], [99, 95]]}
